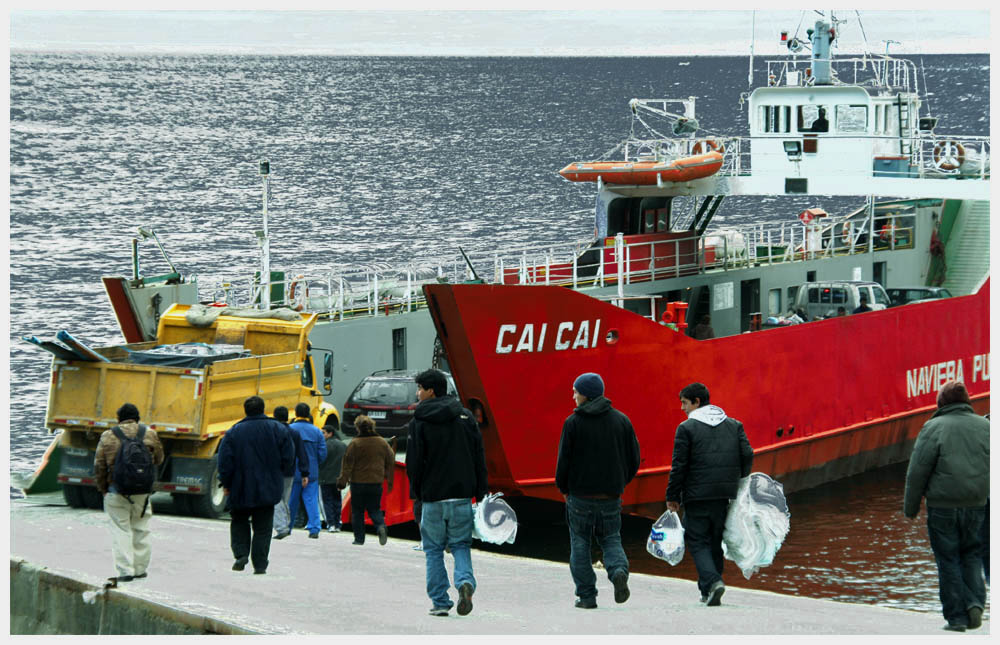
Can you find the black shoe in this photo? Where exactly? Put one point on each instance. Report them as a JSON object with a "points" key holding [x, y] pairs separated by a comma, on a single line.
{"points": [[126, 578], [585, 603], [240, 564], [704, 598], [975, 617], [620, 581], [465, 598], [144, 574], [358, 543], [954, 627], [314, 536], [259, 572], [383, 536], [715, 594], [439, 611], [282, 535]]}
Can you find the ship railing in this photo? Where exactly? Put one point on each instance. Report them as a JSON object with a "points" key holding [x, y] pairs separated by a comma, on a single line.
{"points": [[894, 74], [678, 148]]}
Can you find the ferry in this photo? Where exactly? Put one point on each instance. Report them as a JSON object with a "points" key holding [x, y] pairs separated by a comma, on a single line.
{"points": [[820, 399]]}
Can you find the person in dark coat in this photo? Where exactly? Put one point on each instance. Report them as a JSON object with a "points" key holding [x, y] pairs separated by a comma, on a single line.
{"points": [[446, 466], [598, 457], [253, 457], [281, 514], [711, 455], [329, 472], [950, 466]]}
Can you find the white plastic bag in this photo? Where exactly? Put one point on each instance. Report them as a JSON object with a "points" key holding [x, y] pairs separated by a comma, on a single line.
{"points": [[756, 524], [494, 521], [666, 538]]}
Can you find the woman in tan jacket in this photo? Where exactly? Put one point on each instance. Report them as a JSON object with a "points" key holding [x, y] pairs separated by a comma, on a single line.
{"points": [[368, 462]]}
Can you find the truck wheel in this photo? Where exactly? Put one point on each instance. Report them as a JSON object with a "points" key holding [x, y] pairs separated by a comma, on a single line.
{"points": [[73, 495], [92, 498], [213, 503]]}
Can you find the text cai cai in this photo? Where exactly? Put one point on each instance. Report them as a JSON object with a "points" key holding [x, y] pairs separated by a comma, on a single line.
{"points": [[929, 378], [536, 338]]}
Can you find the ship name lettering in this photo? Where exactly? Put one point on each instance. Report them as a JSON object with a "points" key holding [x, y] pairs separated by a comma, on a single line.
{"points": [[565, 338], [930, 378]]}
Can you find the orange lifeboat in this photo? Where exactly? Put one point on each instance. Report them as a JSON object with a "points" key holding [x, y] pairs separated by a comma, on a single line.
{"points": [[645, 173]]}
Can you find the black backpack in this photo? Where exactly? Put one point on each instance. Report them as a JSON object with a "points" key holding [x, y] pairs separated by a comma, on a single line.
{"points": [[133, 472]]}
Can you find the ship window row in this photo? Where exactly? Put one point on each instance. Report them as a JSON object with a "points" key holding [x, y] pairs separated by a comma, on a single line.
{"points": [[813, 118]]}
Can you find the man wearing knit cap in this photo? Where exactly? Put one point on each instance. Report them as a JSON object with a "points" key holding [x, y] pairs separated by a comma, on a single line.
{"points": [[598, 457]]}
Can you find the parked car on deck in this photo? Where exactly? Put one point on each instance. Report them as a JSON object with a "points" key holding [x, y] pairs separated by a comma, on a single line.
{"points": [[389, 398], [903, 295]]}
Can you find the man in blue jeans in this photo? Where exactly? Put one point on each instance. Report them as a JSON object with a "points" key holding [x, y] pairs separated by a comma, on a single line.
{"points": [[598, 457], [446, 467], [950, 466], [315, 449]]}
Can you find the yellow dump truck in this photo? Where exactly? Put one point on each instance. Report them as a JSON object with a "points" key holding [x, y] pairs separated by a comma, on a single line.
{"points": [[189, 403]]}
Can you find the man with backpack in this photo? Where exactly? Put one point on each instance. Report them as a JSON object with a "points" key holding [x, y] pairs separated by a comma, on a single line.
{"points": [[125, 469]]}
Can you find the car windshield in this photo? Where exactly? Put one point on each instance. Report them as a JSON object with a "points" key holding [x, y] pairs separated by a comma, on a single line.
{"points": [[386, 392]]}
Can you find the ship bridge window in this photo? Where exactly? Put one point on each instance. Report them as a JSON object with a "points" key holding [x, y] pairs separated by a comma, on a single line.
{"points": [[776, 118], [813, 118], [852, 118]]}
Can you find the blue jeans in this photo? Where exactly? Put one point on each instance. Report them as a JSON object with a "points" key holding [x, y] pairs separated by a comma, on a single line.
{"points": [[954, 535], [600, 518], [310, 497], [446, 523]]}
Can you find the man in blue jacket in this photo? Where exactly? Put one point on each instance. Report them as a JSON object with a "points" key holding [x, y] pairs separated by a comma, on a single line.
{"points": [[314, 445], [253, 456], [950, 466], [281, 518], [711, 455]]}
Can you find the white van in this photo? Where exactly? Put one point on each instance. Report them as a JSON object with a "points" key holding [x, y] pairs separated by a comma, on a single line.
{"points": [[822, 299]]}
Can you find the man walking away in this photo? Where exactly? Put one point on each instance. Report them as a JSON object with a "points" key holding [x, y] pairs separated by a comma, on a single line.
{"points": [[129, 512], [711, 455], [253, 457], [950, 466], [446, 467], [598, 457], [329, 472], [308, 486], [368, 462], [281, 517]]}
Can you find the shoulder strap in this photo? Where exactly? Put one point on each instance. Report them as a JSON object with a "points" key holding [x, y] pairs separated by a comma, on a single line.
{"points": [[142, 431], [118, 433]]}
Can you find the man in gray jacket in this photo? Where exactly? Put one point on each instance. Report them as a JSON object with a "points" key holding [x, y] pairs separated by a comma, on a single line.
{"points": [[950, 466]]}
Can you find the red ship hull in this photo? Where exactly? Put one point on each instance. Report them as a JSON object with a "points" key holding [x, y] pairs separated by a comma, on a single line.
{"points": [[819, 401]]}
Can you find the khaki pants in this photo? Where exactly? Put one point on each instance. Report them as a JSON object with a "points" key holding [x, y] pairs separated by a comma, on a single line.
{"points": [[130, 546]]}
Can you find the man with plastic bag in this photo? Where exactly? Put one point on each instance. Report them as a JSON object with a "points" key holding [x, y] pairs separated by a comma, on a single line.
{"points": [[598, 457], [711, 455], [950, 466]]}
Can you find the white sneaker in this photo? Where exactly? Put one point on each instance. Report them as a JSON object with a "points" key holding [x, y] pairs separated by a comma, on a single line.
{"points": [[333, 529]]}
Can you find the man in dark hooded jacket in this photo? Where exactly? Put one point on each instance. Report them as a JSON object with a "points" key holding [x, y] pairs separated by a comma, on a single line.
{"points": [[711, 455], [253, 457], [446, 467], [598, 457], [950, 466]]}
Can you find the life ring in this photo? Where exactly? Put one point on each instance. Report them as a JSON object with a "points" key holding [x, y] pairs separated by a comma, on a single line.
{"points": [[846, 235], [298, 304], [948, 155], [709, 145]]}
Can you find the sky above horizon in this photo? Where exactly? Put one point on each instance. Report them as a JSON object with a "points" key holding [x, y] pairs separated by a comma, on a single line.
{"points": [[488, 32]]}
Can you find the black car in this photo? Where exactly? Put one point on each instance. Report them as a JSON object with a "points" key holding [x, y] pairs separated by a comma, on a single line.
{"points": [[389, 397], [902, 295]]}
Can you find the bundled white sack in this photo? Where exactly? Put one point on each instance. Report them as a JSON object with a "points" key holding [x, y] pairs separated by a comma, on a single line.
{"points": [[756, 524], [666, 538], [493, 520]]}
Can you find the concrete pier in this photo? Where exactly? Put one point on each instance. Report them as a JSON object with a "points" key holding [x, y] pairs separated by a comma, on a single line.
{"points": [[329, 586]]}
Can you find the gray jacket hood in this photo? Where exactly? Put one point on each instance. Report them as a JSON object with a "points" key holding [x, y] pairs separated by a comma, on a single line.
{"points": [[708, 414]]}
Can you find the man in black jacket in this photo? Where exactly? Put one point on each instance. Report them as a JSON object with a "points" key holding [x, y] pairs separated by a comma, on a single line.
{"points": [[598, 456], [711, 455], [253, 457], [446, 467], [281, 515]]}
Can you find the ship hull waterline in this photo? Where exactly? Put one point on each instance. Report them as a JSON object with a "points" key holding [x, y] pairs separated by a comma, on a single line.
{"points": [[820, 401]]}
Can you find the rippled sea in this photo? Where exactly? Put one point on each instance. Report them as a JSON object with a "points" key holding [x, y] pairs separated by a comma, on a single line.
{"points": [[375, 161]]}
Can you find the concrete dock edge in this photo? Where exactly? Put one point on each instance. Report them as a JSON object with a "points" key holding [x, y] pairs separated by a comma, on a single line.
{"points": [[45, 602]]}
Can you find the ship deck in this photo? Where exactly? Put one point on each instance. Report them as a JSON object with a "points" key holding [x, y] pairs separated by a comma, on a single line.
{"points": [[329, 586]]}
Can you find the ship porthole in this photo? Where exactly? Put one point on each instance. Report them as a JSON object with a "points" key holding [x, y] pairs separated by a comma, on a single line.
{"points": [[611, 337]]}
